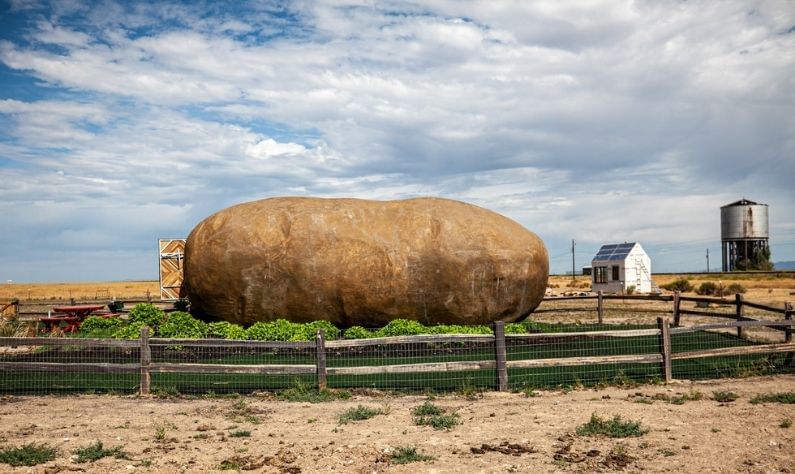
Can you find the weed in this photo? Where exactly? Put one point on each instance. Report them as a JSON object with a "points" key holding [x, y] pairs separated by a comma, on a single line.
{"points": [[122, 427], [405, 455], [229, 466], [614, 428], [96, 451], [242, 412], [645, 401], [687, 397], [716, 430], [666, 452], [301, 392], [781, 397], [644, 445], [145, 463], [359, 413], [427, 409], [724, 397], [201, 436], [312, 420], [28, 455], [240, 434], [160, 433], [785, 423], [165, 392], [438, 422]]}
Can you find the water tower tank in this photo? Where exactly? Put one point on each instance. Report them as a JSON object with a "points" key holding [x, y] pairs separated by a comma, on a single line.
{"points": [[743, 231]]}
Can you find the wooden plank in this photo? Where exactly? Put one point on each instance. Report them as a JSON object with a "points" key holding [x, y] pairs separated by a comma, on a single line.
{"points": [[581, 334], [146, 361], [65, 341], [740, 314], [694, 312], [158, 341], [68, 367], [731, 324], [665, 349], [500, 356], [677, 308], [600, 307], [764, 307], [563, 298], [265, 369], [419, 339], [571, 361], [413, 368], [320, 359], [705, 299], [732, 351]]}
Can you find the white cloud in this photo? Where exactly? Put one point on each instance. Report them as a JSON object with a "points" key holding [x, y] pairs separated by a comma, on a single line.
{"points": [[598, 120]]}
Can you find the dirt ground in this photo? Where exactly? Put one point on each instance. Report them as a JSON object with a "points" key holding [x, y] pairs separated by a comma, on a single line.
{"points": [[499, 432]]}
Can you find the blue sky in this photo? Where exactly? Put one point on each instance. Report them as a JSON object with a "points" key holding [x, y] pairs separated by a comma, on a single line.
{"points": [[603, 121]]}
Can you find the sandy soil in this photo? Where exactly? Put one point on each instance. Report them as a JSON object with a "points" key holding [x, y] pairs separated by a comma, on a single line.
{"points": [[521, 434]]}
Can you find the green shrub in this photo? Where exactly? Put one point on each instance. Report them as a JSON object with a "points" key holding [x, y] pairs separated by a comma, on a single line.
{"points": [[401, 327], [226, 330], [405, 455], [279, 330], [707, 289], [724, 397], [429, 414], [682, 284], [515, 328], [735, 288], [359, 413], [615, 428], [148, 314], [129, 331], [28, 455], [357, 332], [781, 397], [96, 451], [97, 326], [180, 324], [631, 289], [331, 331]]}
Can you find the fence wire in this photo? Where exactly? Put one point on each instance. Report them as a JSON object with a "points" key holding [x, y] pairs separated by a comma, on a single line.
{"points": [[625, 348]]}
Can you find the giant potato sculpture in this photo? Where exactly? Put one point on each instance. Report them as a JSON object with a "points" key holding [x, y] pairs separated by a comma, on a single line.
{"points": [[358, 262]]}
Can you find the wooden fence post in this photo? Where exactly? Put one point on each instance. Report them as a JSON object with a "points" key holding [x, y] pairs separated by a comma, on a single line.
{"points": [[677, 302], [788, 317], [665, 348], [320, 359], [600, 307], [146, 360], [500, 356], [738, 301]]}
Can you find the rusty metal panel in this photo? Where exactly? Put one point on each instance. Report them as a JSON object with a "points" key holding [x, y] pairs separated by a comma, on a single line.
{"points": [[171, 260]]}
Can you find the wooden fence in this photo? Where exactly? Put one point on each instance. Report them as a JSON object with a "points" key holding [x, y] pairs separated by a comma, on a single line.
{"points": [[145, 366]]}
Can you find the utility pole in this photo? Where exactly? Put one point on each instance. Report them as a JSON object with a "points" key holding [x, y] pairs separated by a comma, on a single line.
{"points": [[707, 260], [573, 271]]}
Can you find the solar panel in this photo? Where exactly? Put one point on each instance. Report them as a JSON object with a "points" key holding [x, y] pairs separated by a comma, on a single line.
{"points": [[613, 252]]}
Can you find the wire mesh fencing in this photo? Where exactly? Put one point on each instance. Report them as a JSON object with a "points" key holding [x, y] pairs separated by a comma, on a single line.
{"points": [[552, 355]]}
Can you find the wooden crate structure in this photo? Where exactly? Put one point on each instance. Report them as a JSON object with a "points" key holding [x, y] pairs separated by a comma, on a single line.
{"points": [[172, 258]]}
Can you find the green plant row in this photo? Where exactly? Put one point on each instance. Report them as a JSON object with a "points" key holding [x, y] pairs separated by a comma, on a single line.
{"points": [[182, 325]]}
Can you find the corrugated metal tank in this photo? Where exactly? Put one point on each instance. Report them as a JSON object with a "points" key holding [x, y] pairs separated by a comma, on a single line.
{"points": [[744, 221]]}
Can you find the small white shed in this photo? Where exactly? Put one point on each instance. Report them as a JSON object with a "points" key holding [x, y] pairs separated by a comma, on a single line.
{"points": [[616, 267]]}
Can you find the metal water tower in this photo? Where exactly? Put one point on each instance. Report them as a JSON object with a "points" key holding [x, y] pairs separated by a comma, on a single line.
{"points": [[743, 231]]}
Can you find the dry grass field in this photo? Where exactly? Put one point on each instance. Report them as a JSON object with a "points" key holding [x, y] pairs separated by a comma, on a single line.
{"points": [[79, 291]]}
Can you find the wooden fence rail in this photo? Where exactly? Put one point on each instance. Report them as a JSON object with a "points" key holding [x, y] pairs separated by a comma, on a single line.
{"points": [[664, 355]]}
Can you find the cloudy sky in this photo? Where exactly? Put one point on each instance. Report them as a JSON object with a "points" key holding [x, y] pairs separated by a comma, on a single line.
{"points": [[603, 121]]}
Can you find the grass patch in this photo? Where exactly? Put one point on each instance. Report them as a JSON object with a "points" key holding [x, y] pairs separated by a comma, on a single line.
{"points": [[96, 451], [427, 409], [407, 454], [301, 392], [431, 415], [28, 455], [240, 434], [782, 397], [613, 428], [359, 413], [785, 423], [724, 397]]}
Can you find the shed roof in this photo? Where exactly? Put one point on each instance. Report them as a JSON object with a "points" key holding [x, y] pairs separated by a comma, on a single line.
{"points": [[614, 251]]}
